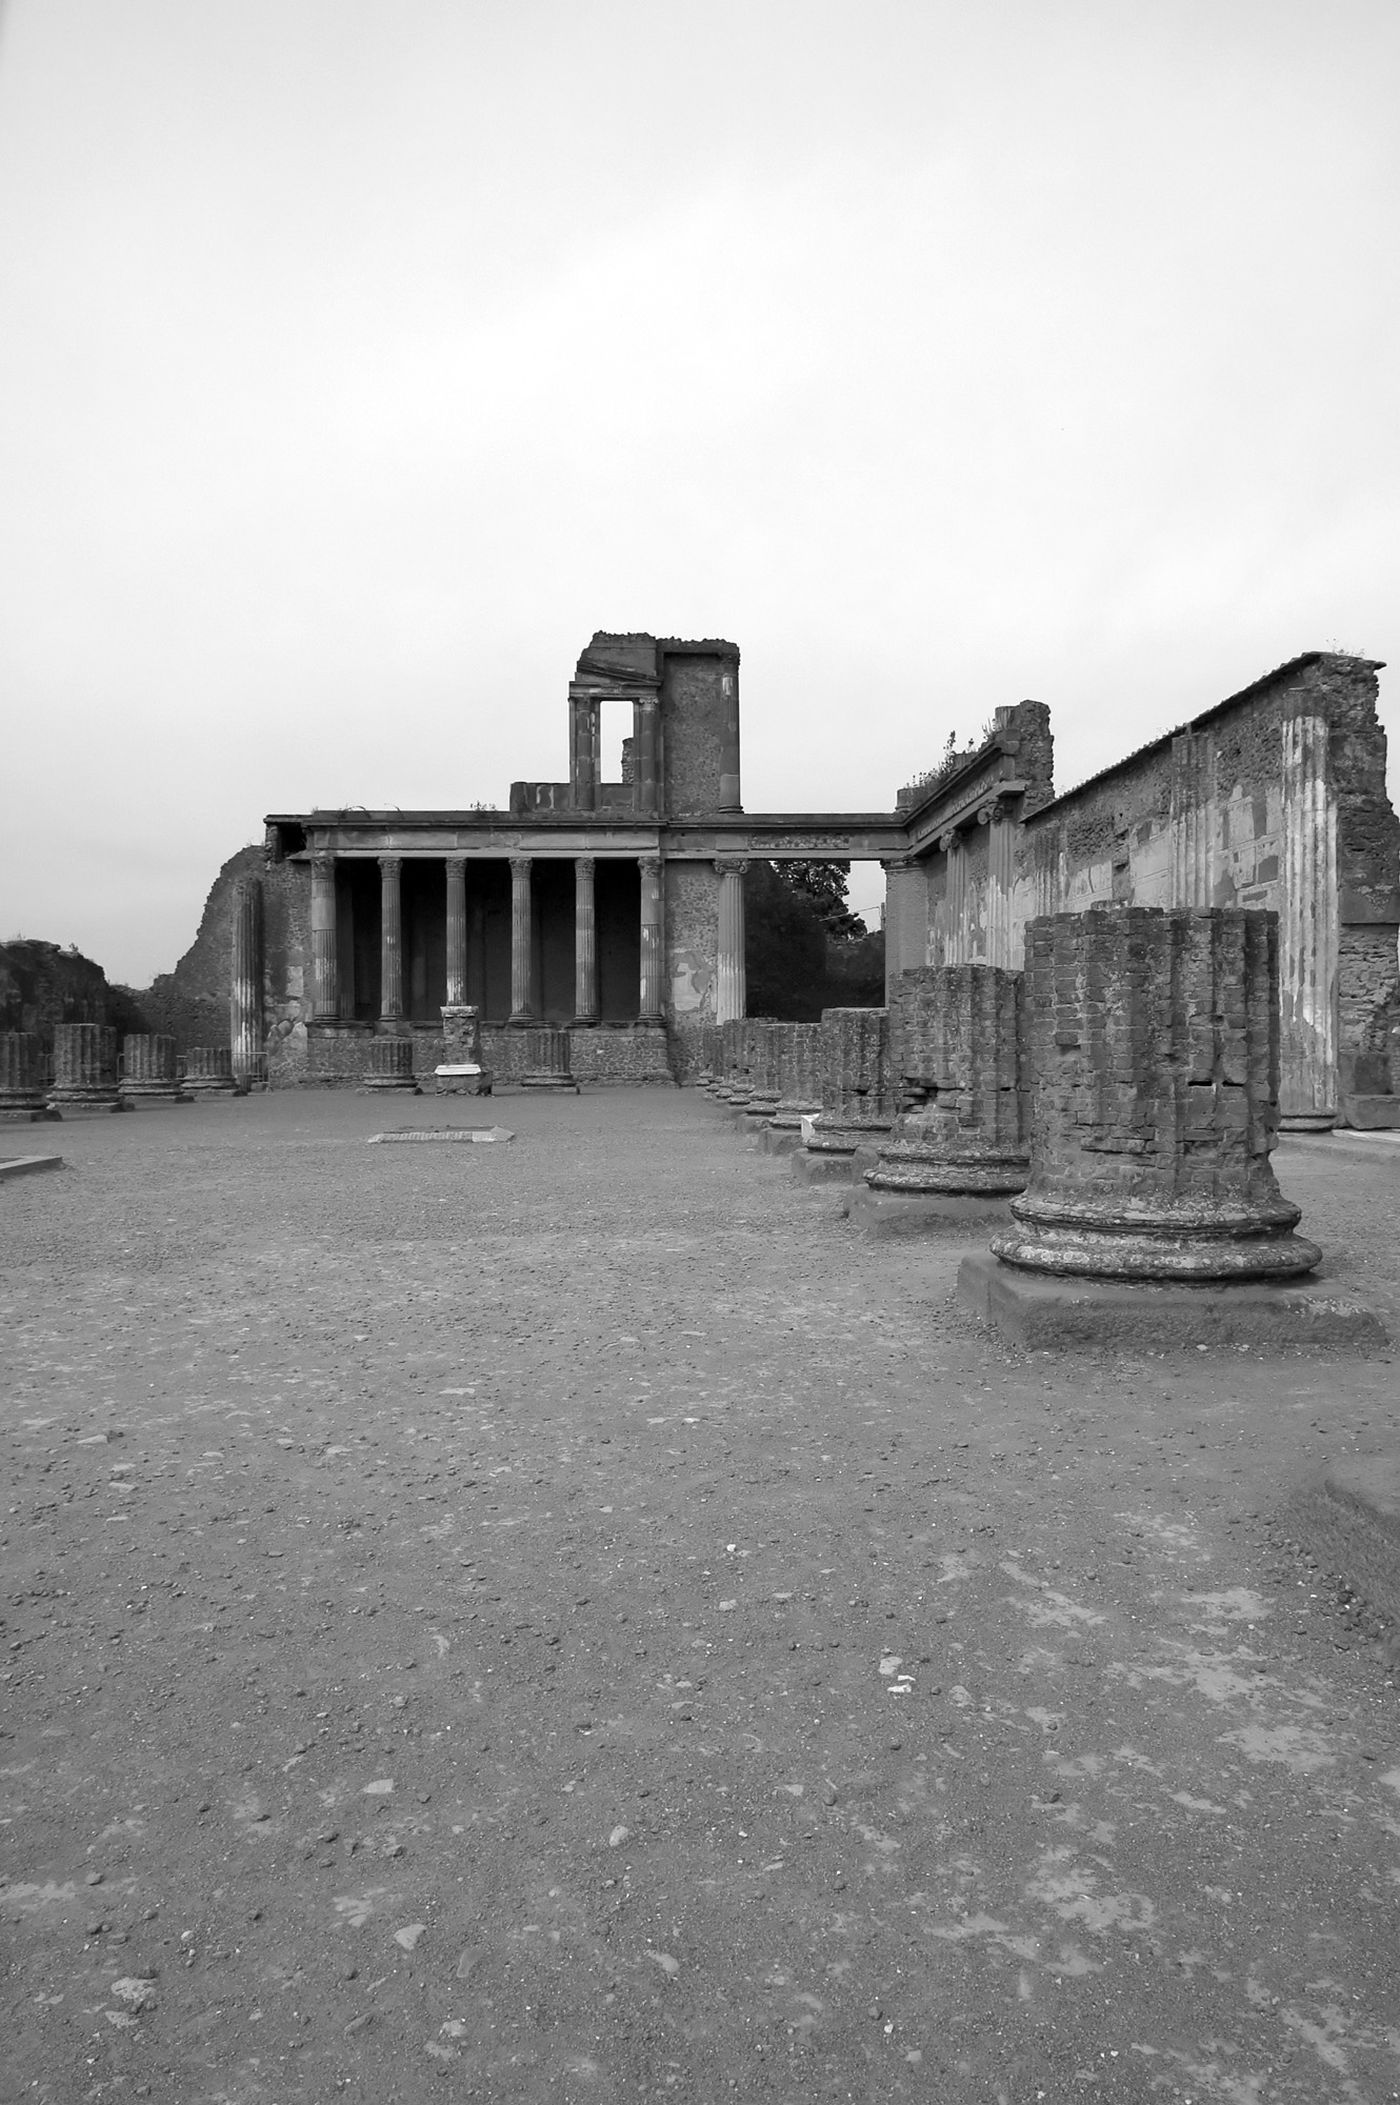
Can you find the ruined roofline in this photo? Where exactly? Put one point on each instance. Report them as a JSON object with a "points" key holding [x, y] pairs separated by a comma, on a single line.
{"points": [[1206, 716]]}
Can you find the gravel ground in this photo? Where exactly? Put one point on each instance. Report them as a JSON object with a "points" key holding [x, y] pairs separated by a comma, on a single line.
{"points": [[573, 1620]]}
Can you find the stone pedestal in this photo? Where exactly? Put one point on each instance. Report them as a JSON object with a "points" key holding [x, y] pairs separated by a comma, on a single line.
{"points": [[148, 1070], [1152, 1041], [547, 1060], [22, 1094], [461, 1072], [391, 1065], [709, 1053], [208, 1071], [955, 1060], [799, 1077], [855, 1103], [85, 1068]]}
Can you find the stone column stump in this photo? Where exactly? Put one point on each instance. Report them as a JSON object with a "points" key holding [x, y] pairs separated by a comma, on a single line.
{"points": [[800, 1076], [548, 1054], [1153, 1043], [855, 1110], [766, 1046], [391, 1065], [461, 1072], [22, 1094], [957, 1074], [209, 1071], [85, 1068], [742, 1085], [148, 1070]]}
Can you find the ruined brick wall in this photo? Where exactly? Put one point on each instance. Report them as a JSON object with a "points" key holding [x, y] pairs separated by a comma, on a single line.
{"points": [[191, 1004], [693, 710]]}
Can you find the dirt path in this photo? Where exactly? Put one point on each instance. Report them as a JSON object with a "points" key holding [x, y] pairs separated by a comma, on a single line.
{"points": [[574, 1621]]}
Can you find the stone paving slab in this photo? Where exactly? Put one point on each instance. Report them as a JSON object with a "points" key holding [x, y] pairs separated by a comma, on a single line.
{"points": [[885, 1213], [1043, 1313], [411, 1134], [26, 1165]]}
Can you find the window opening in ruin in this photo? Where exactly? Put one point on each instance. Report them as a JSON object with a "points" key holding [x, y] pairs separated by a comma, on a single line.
{"points": [[614, 734]]}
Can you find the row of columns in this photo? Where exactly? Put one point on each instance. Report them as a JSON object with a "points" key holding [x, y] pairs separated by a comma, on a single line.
{"points": [[325, 993]]}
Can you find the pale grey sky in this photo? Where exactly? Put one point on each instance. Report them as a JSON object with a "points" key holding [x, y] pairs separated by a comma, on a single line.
{"points": [[359, 358]]}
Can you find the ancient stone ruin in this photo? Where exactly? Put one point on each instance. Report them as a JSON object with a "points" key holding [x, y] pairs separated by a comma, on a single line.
{"points": [[615, 909]]}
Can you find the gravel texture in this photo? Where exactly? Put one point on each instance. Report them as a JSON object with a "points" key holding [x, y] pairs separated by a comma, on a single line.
{"points": [[575, 1619]]}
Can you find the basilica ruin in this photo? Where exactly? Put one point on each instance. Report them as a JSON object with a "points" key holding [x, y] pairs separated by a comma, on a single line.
{"points": [[616, 908]]}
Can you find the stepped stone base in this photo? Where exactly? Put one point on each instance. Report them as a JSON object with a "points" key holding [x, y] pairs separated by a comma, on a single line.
{"points": [[883, 1213], [810, 1168], [1040, 1311], [64, 1102], [26, 1114], [1372, 1114]]}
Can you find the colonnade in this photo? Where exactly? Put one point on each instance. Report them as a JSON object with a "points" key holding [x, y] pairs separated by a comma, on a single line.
{"points": [[327, 996]]}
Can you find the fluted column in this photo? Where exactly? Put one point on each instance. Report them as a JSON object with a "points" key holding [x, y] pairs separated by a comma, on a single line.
{"points": [[245, 1001], [325, 973], [583, 711], [148, 1069], [1192, 819], [390, 938], [731, 993], [456, 868], [21, 1076], [1005, 943], [649, 1004], [522, 992], [585, 943]]}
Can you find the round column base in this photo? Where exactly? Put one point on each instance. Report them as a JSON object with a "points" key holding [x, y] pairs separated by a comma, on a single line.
{"points": [[406, 1082], [169, 1092], [1166, 1251], [903, 1168], [77, 1098], [1307, 1121], [549, 1081], [760, 1107], [207, 1084], [789, 1116], [824, 1139]]}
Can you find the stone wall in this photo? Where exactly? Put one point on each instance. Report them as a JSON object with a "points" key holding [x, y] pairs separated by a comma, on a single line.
{"points": [[1275, 798]]}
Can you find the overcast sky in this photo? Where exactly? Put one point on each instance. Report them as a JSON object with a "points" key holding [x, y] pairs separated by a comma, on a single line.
{"points": [[359, 358]]}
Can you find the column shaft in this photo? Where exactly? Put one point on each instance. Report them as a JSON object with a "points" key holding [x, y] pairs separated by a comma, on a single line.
{"points": [[325, 973], [731, 993], [648, 784], [649, 1004], [390, 938], [585, 943], [522, 1004], [456, 931]]}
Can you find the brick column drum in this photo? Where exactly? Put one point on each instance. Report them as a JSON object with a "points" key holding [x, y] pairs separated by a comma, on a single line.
{"points": [[245, 1002], [855, 1107], [767, 1043], [548, 1057], [208, 1071], [956, 1080], [1153, 1047], [391, 1065], [85, 1068], [21, 1078], [148, 1070], [742, 1086], [800, 1076]]}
